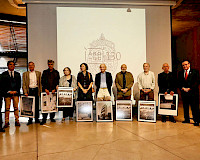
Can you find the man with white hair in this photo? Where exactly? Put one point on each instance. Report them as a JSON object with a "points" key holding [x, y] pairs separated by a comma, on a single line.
{"points": [[103, 82], [146, 82]]}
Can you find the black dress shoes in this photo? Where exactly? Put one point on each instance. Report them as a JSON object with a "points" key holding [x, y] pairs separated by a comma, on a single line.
{"points": [[29, 122], [6, 125], [43, 122], [37, 121], [2, 130], [196, 123], [53, 120], [186, 121], [17, 124]]}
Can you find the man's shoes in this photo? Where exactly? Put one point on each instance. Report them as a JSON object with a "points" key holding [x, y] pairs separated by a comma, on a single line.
{"points": [[164, 120], [6, 125], [17, 124], [29, 122], [53, 120], [186, 122], [37, 121], [43, 122], [174, 121], [196, 123], [2, 130]]}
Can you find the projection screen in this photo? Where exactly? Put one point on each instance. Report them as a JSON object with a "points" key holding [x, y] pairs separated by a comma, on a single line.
{"points": [[156, 49]]}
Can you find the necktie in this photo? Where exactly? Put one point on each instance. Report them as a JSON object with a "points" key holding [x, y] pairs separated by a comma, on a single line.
{"points": [[11, 74], [186, 75]]}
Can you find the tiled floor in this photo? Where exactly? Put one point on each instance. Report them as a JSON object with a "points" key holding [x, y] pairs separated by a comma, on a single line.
{"points": [[101, 141]]}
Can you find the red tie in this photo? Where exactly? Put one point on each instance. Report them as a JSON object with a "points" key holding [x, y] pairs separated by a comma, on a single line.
{"points": [[186, 75]]}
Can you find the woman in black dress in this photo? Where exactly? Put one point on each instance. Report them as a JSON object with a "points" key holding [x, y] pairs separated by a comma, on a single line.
{"points": [[85, 83]]}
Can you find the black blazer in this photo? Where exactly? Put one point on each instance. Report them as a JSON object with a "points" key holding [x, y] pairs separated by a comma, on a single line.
{"points": [[109, 81], [6, 83], [192, 81], [167, 82]]}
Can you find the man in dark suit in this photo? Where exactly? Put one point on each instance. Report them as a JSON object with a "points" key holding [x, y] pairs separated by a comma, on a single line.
{"points": [[189, 85], [11, 84], [103, 82], [167, 85], [1, 129]]}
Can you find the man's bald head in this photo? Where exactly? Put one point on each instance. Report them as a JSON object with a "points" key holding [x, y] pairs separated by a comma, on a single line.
{"points": [[165, 67], [103, 68], [123, 68]]}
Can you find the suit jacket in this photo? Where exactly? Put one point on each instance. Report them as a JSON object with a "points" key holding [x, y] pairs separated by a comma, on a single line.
{"points": [[6, 83], [119, 83], [50, 79], [192, 82], [109, 81], [26, 82], [167, 82]]}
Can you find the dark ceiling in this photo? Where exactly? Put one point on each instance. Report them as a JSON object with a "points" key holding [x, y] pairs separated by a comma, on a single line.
{"points": [[185, 15]]}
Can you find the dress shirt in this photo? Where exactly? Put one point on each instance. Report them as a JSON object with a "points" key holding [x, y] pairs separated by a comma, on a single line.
{"points": [[11, 72], [188, 72], [32, 79], [103, 80], [146, 80]]}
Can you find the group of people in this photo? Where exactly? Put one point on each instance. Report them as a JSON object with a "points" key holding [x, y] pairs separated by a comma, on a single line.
{"points": [[34, 83]]}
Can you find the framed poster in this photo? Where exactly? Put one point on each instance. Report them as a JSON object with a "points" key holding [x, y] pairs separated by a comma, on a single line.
{"points": [[84, 111], [65, 97], [48, 102], [27, 106], [104, 111], [124, 110], [168, 104], [147, 111]]}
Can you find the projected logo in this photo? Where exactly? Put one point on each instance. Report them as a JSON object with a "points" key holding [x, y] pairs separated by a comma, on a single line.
{"points": [[102, 51]]}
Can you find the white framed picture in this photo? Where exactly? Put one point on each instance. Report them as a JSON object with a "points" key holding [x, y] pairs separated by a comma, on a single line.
{"points": [[124, 110], [168, 104], [65, 97], [147, 111], [27, 106], [104, 111], [84, 111], [48, 102]]}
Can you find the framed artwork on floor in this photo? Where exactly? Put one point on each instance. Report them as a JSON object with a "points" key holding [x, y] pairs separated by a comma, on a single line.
{"points": [[147, 111], [104, 111], [124, 110], [84, 111]]}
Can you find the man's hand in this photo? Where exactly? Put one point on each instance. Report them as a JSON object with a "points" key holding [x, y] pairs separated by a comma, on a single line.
{"points": [[85, 91], [172, 93], [47, 91], [53, 91], [124, 90], [13, 92], [186, 89]]}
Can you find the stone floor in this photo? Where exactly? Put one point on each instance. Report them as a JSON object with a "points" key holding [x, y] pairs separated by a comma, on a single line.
{"points": [[116, 140]]}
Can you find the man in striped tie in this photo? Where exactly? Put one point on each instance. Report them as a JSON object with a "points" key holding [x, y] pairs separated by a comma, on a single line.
{"points": [[189, 85]]}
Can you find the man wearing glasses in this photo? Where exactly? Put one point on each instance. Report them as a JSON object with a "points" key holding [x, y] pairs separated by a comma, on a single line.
{"points": [[189, 85]]}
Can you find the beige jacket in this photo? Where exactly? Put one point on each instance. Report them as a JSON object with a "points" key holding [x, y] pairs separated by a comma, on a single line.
{"points": [[26, 82], [119, 83]]}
